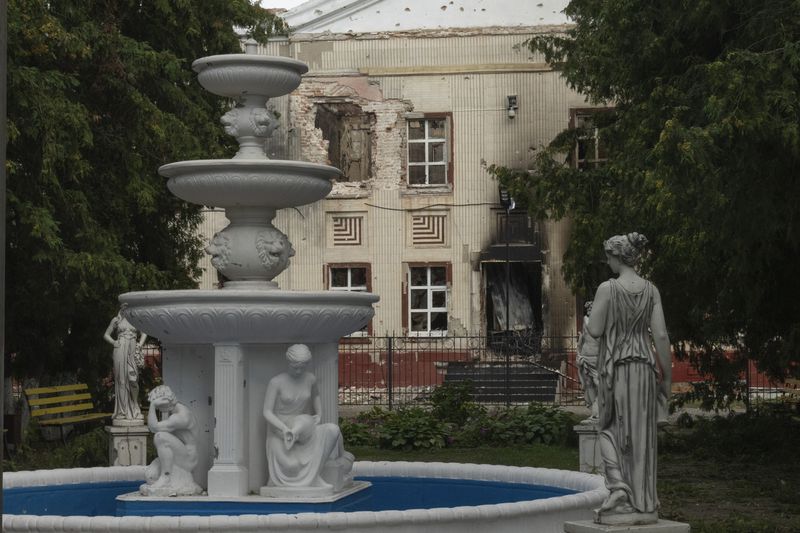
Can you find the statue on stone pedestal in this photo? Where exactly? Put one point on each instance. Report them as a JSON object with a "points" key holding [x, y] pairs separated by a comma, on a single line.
{"points": [[303, 454], [588, 348], [175, 438], [634, 378], [128, 359]]}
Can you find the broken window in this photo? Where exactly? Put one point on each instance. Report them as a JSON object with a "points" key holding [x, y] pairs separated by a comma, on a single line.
{"points": [[515, 227], [429, 151], [427, 300], [589, 150], [348, 130], [350, 278]]}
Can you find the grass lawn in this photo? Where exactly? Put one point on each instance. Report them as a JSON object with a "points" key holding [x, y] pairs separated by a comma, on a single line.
{"points": [[739, 495], [730, 496], [538, 455]]}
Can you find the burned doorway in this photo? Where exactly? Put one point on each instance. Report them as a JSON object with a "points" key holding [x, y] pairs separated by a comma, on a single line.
{"points": [[521, 332], [524, 296]]}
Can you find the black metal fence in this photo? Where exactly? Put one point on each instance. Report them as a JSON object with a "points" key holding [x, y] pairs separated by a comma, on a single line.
{"points": [[504, 369]]}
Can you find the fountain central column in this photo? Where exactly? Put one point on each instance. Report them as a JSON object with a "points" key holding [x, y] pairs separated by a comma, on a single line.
{"points": [[228, 475]]}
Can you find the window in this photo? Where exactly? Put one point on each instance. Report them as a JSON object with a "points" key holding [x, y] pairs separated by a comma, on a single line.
{"points": [[589, 150], [427, 300], [428, 151], [350, 278]]}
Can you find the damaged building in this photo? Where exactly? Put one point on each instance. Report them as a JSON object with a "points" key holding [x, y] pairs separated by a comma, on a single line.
{"points": [[411, 99]]}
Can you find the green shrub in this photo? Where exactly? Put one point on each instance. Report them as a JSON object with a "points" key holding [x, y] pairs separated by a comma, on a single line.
{"points": [[411, 428], [356, 433], [769, 433], [452, 402], [515, 425]]}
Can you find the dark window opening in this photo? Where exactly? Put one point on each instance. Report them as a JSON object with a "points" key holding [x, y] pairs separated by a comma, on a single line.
{"points": [[348, 130]]}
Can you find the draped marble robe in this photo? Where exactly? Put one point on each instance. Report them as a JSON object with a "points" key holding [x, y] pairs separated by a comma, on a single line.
{"points": [[126, 370], [299, 463], [628, 397]]}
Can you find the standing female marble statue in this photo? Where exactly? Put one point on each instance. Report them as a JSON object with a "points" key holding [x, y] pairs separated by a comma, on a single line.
{"points": [[588, 348], [127, 361], [302, 453], [634, 379]]}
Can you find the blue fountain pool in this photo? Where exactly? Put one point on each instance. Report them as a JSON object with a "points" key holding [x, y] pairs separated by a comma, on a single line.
{"points": [[386, 493]]}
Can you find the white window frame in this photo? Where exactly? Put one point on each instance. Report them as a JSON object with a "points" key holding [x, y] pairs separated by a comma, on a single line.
{"points": [[351, 288], [427, 140], [430, 289]]}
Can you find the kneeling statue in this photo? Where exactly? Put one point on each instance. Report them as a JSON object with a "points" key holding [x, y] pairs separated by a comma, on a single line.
{"points": [[304, 456], [175, 439]]}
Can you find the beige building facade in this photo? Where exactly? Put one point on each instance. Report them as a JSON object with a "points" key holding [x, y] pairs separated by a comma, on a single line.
{"points": [[412, 118]]}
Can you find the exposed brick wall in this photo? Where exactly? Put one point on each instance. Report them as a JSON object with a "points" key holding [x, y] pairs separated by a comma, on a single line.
{"points": [[387, 145]]}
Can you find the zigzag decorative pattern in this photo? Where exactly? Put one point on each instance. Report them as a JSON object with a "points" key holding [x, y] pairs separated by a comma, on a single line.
{"points": [[428, 229], [347, 231]]}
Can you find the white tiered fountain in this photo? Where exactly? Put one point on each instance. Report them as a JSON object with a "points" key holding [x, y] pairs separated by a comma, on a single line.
{"points": [[222, 348]]}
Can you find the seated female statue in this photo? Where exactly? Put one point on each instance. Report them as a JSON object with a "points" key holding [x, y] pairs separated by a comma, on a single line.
{"points": [[302, 452]]}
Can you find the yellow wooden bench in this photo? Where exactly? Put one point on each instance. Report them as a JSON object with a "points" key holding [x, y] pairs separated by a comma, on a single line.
{"points": [[62, 405]]}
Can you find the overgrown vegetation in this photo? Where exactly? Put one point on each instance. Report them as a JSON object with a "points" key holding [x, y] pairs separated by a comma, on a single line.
{"points": [[100, 94], [769, 432], [83, 450], [455, 420], [737, 473], [703, 147]]}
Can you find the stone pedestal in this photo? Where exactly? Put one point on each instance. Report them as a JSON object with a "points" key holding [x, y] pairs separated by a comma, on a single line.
{"points": [[589, 447], [127, 445], [662, 526]]}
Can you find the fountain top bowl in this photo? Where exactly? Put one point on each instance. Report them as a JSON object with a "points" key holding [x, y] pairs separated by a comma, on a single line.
{"points": [[237, 75]]}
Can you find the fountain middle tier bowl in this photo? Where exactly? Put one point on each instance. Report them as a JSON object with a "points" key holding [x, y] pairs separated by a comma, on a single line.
{"points": [[249, 182], [247, 316]]}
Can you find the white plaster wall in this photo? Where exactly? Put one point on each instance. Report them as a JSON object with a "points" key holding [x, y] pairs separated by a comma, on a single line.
{"points": [[342, 16], [472, 84]]}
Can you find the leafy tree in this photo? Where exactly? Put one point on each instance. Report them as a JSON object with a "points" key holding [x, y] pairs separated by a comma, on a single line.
{"points": [[101, 93], [704, 159]]}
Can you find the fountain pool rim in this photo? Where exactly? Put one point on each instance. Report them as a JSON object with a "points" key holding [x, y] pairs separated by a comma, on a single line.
{"points": [[544, 514]]}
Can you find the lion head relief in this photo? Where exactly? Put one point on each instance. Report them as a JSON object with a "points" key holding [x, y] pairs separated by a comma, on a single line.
{"points": [[274, 250]]}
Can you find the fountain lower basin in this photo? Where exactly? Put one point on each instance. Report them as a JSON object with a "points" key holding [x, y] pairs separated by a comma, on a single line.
{"points": [[568, 496]]}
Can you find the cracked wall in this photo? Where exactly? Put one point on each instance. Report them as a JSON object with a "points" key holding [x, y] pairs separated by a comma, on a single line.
{"points": [[345, 122]]}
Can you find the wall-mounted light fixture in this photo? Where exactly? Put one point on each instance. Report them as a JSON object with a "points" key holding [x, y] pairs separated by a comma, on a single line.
{"points": [[511, 105]]}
